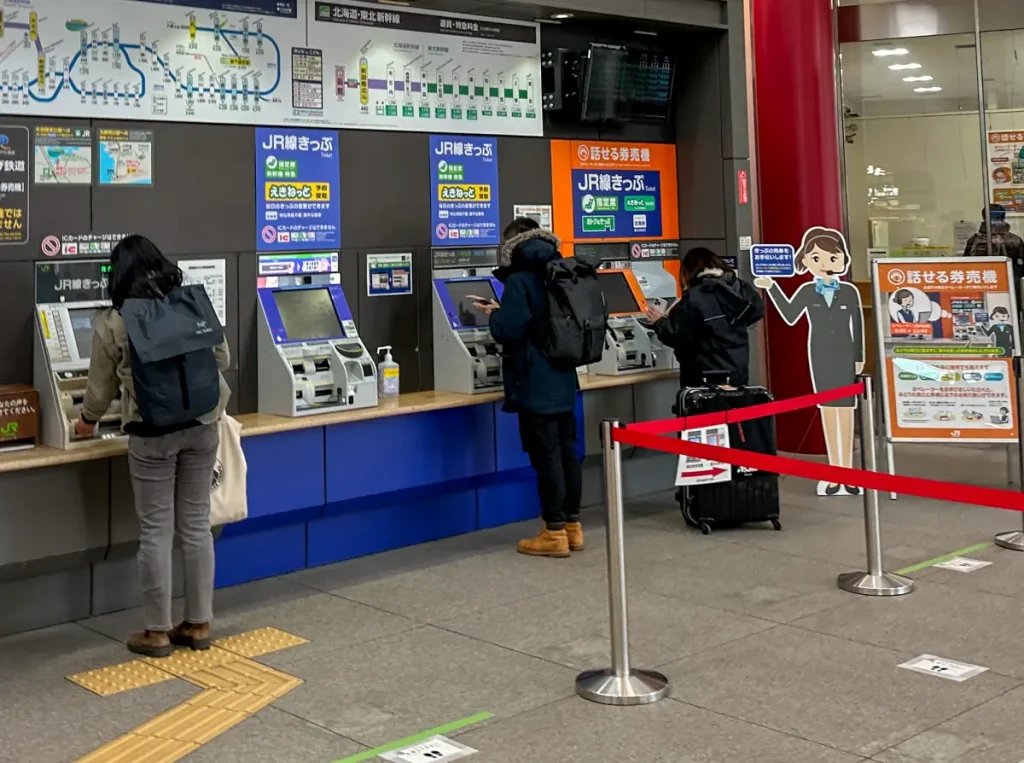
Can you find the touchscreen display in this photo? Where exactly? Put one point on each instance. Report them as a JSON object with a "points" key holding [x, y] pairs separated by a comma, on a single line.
{"points": [[617, 294], [461, 293], [81, 329], [308, 314]]}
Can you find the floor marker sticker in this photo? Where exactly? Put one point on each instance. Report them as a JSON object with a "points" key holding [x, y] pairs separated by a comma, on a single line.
{"points": [[951, 670], [434, 750], [962, 564]]}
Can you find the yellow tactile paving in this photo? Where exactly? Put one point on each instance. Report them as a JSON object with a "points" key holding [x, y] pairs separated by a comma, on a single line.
{"points": [[260, 642], [119, 678], [235, 687]]}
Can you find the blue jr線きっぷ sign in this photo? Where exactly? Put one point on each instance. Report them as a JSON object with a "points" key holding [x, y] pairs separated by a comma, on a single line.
{"points": [[464, 191], [297, 189], [772, 260], [617, 203]]}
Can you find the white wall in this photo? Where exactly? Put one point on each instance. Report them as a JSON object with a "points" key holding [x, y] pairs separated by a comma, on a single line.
{"points": [[934, 161]]}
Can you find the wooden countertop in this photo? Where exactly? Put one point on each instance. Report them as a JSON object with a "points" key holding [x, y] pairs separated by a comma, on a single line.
{"points": [[254, 424]]}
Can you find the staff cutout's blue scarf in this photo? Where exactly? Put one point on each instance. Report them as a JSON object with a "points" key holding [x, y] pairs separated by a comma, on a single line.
{"points": [[827, 289]]}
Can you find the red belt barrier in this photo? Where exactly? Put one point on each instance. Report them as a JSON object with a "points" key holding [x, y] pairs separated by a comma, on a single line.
{"points": [[836, 475], [736, 415]]}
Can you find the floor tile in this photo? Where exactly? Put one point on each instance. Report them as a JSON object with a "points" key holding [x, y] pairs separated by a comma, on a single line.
{"points": [[400, 685], [990, 733], [1004, 576], [570, 627], [955, 623], [833, 691], [666, 732], [273, 736], [748, 581]]}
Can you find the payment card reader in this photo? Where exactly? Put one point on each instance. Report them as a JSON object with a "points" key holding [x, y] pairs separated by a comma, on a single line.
{"points": [[627, 343], [466, 357], [69, 296], [311, 359]]}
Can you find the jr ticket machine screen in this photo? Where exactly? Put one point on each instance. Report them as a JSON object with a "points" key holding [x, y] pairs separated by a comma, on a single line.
{"points": [[311, 359], [466, 357], [627, 345], [69, 297]]}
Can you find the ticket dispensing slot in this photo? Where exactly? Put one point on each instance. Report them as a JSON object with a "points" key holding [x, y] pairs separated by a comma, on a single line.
{"points": [[63, 337], [466, 357], [627, 344], [311, 359]]}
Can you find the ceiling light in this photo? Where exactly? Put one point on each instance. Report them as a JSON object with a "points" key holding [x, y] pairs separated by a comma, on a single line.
{"points": [[901, 67], [927, 89], [922, 78], [560, 16], [886, 52]]}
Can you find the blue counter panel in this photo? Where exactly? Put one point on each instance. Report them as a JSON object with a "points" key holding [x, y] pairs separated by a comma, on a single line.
{"points": [[508, 501], [286, 471], [384, 455], [394, 523], [260, 554]]}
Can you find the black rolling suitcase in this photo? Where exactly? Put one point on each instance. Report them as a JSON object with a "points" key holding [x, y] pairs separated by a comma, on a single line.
{"points": [[751, 496]]}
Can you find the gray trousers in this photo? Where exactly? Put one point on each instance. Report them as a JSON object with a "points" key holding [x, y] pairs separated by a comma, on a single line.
{"points": [[171, 478]]}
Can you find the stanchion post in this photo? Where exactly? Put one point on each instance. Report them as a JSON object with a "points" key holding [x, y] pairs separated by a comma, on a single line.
{"points": [[1014, 541], [876, 581], [621, 684]]}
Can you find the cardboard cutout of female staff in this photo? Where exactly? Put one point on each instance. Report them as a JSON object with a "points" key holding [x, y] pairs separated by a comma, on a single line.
{"points": [[835, 337]]}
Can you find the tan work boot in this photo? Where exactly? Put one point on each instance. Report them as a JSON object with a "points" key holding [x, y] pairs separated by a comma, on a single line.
{"points": [[574, 530], [150, 644], [196, 636], [554, 543]]}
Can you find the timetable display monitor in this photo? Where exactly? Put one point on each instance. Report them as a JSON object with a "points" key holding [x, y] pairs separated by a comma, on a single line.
{"points": [[462, 292], [618, 294], [308, 314]]}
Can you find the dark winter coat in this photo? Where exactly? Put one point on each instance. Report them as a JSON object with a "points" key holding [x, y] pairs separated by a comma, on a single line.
{"points": [[708, 328], [531, 382]]}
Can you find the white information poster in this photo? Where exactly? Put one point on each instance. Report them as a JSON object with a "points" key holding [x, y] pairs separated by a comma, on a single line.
{"points": [[125, 157], [213, 275], [271, 62], [698, 471], [539, 212], [63, 155], [399, 69]]}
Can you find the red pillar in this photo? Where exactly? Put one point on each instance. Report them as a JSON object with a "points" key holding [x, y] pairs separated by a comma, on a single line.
{"points": [[798, 171]]}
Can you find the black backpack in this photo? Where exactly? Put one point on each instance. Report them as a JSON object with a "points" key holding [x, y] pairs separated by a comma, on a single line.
{"points": [[173, 363], [574, 325]]}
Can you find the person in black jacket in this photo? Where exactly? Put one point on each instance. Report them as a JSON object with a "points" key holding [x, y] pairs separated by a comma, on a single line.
{"points": [[542, 396], [707, 328]]}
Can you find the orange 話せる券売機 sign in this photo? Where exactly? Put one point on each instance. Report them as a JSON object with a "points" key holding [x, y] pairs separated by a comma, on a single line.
{"points": [[613, 191], [948, 332]]}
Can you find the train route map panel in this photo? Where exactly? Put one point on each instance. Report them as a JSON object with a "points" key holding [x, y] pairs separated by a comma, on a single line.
{"points": [[268, 62]]}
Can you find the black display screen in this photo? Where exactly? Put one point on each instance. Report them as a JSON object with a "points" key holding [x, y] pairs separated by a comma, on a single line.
{"points": [[627, 83], [462, 293], [81, 328], [617, 294], [308, 314]]}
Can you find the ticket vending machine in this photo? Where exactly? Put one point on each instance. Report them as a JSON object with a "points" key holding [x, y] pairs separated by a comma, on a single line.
{"points": [[466, 357], [69, 295], [311, 359], [627, 343]]}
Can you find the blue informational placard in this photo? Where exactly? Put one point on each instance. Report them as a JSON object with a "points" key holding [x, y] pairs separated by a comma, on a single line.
{"points": [[464, 191], [298, 190], [772, 260], [620, 203]]}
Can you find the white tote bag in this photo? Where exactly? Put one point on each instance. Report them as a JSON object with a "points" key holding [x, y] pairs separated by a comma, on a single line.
{"points": [[228, 501]]}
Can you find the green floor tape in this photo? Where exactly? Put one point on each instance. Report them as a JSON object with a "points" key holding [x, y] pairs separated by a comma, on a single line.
{"points": [[944, 558], [417, 738]]}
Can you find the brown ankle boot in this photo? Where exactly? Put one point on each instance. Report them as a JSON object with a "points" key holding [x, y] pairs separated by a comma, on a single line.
{"points": [[150, 644], [574, 530], [554, 543], [196, 636]]}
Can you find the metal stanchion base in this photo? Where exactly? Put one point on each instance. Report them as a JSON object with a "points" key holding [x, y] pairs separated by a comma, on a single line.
{"points": [[639, 687], [867, 584], [1013, 541]]}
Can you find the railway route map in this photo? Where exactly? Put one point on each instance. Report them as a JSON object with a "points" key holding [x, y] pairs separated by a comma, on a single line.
{"points": [[268, 62]]}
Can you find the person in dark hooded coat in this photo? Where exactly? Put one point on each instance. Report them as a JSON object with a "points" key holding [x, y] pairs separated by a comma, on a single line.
{"points": [[708, 327], [543, 397]]}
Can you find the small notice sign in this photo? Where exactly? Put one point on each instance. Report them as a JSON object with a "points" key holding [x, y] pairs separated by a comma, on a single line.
{"points": [[437, 749], [962, 564], [772, 260], [698, 471], [951, 670]]}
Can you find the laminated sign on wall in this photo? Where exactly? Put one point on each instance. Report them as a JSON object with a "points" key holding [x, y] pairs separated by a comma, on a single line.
{"points": [[699, 471]]}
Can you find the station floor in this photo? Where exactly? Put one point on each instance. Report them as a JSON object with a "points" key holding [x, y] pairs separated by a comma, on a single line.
{"points": [[769, 661]]}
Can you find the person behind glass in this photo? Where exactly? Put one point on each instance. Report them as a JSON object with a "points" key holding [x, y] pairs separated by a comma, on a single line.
{"points": [[543, 397], [171, 468], [708, 327], [836, 336]]}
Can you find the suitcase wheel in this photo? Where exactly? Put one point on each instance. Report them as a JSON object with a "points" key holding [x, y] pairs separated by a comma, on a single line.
{"points": [[705, 528], [777, 525]]}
